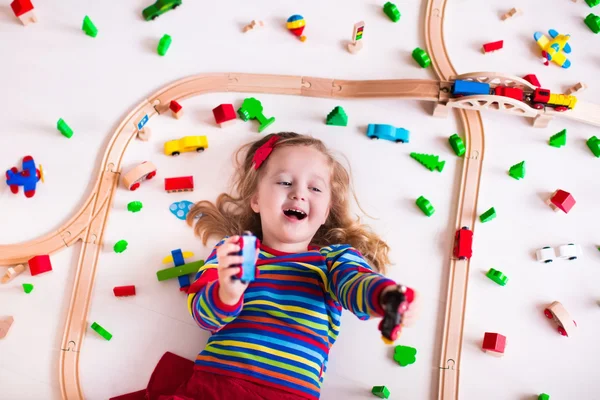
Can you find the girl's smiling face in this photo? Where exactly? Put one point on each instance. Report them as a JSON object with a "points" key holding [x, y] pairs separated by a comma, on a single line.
{"points": [[293, 197]]}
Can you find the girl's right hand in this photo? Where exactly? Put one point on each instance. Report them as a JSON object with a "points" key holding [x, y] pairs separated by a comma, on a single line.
{"points": [[230, 290]]}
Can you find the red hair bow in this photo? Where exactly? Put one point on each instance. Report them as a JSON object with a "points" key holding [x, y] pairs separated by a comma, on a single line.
{"points": [[263, 151]]}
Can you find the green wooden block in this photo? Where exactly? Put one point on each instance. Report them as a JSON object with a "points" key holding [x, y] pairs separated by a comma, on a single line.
{"points": [[421, 57], [134, 206], [517, 171], [101, 331], [381, 392], [120, 246], [559, 139], [186, 269], [89, 28], [337, 117], [593, 22], [391, 10], [593, 144], [27, 287], [457, 144], [63, 128], [544, 396], [488, 215], [425, 206], [497, 277], [163, 45]]}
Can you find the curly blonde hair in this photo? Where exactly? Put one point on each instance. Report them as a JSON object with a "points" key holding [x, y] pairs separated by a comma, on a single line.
{"points": [[232, 214]]}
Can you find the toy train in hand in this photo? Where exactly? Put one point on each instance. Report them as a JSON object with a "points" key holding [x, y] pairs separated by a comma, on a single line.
{"points": [[248, 245], [538, 99]]}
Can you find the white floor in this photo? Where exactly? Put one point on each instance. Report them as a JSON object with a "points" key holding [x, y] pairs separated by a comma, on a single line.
{"points": [[54, 71]]}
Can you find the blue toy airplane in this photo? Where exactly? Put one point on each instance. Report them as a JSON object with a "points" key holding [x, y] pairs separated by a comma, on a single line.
{"points": [[554, 50], [28, 177]]}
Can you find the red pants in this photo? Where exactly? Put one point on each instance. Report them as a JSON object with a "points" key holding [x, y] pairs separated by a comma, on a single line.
{"points": [[175, 378]]}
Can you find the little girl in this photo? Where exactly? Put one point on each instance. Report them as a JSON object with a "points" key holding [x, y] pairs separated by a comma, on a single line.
{"points": [[271, 338]]}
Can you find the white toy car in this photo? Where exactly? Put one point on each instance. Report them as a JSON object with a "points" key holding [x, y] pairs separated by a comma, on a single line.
{"points": [[556, 312], [545, 254], [568, 251]]}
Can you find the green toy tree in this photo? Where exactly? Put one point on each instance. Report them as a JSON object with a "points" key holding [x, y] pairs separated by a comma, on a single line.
{"points": [[337, 117], [430, 161], [252, 109], [88, 27], [558, 140], [517, 171]]}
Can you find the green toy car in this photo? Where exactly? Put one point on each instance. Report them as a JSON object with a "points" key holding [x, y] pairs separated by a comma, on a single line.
{"points": [[159, 8]]}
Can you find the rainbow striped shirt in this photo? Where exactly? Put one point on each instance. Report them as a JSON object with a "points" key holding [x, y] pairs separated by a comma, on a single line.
{"points": [[280, 332]]}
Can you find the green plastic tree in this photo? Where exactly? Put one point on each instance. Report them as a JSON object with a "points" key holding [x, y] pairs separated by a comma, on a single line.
{"points": [[134, 206], [405, 355], [252, 109], [517, 171], [430, 161], [558, 140], [88, 27], [120, 246], [337, 117]]}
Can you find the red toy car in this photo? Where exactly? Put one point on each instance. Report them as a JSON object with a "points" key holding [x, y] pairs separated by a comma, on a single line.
{"points": [[512, 92], [463, 243]]}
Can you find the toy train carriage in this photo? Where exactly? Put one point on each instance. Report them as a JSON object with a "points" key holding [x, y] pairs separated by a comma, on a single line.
{"points": [[469, 88], [248, 244], [512, 92], [560, 102], [133, 178], [463, 243]]}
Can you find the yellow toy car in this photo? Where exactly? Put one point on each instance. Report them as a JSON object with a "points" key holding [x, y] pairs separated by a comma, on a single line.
{"points": [[186, 144]]}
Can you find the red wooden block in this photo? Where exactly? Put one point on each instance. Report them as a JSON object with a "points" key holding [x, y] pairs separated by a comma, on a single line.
{"points": [[20, 7], [179, 184], [494, 343], [493, 46], [562, 200], [39, 265], [175, 106], [531, 78], [176, 109], [224, 113], [121, 291]]}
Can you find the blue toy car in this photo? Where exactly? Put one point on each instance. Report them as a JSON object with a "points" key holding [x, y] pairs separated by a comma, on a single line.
{"points": [[248, 244], [388, 132], [469, 88]]}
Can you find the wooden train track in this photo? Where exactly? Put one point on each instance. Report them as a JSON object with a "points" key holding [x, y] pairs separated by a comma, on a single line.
{"points": [[458, 276]]}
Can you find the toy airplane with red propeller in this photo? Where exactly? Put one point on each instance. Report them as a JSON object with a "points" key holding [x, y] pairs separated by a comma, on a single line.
{"points": [[28, 177]]}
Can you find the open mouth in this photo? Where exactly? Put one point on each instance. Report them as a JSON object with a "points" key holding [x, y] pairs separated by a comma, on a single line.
{"points": [[295, 213]]}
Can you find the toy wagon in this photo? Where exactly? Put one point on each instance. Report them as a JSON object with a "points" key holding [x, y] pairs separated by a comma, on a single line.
{"points": [[556, 312], [136, 176]]}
